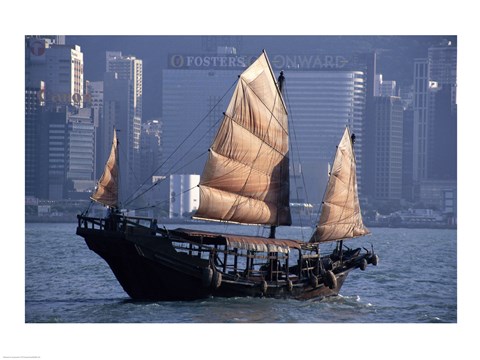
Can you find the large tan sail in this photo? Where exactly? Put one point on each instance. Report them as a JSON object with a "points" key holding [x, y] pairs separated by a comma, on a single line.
{"points": [[246, 178], [107, 187], [341, 217]]}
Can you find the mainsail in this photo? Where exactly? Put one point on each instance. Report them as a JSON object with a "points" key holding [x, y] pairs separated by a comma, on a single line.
{"points": [[107, 187], [246, 177], [341, 217]]}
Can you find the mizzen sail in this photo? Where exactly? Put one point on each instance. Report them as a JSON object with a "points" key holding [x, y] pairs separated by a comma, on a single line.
{"points": [[107, 187], [341, 217], [246, 178]]}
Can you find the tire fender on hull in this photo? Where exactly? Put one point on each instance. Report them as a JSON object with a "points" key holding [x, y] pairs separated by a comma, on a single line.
{"points": [[217, 279], [330, 279], [207, 276]]}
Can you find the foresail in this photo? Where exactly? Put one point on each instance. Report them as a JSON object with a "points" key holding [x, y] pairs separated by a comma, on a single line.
{"points": [[246, 179], [341, 217], [107, 187]]}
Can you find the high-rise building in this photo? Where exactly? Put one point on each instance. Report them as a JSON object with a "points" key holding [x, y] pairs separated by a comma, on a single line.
{"points": [[128, 68], [324, 93], [434, 116], [388, 164], [421, 87], [59, 66], [33, 106], [151, 149], [53, 89], [80, 153], [122, 109], [184, 195], [94, 100], [52, 136], [321, 104], [385, 87], [408, 192]]}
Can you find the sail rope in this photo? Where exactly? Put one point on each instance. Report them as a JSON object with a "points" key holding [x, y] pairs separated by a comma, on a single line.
{"points": [[297, 152], [272, 116], [129, 199], [171, 170], [158, 203], [132, 171]]}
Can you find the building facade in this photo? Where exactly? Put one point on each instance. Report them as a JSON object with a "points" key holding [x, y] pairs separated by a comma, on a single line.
{"points": [[122, 110], [80, 153], [324, 93], [60, 67], [184, 195], [434, 118], [388, 159]]}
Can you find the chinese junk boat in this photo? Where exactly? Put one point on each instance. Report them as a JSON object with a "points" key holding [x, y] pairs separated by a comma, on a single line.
{"points": [[246, 181]]}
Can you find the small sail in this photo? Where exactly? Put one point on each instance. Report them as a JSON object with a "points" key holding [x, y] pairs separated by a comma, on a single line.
{"points": [[341, 217], [246, 177], [107, 187]]}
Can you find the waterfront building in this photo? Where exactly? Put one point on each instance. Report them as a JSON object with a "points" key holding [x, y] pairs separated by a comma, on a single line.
{"points": [[184, 195], [388, 160], [324, 93], [151, 149], [33, 106], [122, 109], [80, 153], [434, 118], [59, 66]]}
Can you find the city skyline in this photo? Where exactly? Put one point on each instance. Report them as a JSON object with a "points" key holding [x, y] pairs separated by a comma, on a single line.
{"points": [[395, 54], [207, 66]]}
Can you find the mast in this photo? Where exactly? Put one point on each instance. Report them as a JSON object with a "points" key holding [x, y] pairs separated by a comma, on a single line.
{"points": [[280, 83]]}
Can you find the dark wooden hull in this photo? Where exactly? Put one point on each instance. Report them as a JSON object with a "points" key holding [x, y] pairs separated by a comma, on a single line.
{"points": [[148, 268]]}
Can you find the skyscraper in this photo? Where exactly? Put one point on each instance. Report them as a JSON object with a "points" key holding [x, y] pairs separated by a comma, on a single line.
{"points": [[122, 109], [434, 114], [33, 107], [324, 93], [388, 148], [53, 88], [80, 152], [60, 67], [321, 104]]}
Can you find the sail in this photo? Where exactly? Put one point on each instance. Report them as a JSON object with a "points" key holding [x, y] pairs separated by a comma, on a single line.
{"points": [[246, 177], [107, 187], [341, 217]]}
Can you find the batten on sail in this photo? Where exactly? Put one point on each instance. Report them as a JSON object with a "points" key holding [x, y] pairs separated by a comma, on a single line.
{"points": [[107, 187], [341, 217], [246, 178]]}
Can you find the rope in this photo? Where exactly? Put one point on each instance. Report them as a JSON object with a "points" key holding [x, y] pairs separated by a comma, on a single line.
{"points": [[128, 200], [292, 123]]}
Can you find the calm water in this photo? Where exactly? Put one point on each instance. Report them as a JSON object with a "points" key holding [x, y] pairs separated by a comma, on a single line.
{"points": [[415, 282]]}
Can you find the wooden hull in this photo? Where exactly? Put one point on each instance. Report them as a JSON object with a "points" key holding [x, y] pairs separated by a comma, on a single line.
{"points": [[148, 268]]}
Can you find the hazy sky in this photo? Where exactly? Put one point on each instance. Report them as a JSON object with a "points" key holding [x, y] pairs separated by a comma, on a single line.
{"points": [[394, 59]]}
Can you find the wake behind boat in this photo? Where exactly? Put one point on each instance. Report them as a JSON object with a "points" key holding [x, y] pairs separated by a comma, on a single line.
{"points": [[245, 181]]}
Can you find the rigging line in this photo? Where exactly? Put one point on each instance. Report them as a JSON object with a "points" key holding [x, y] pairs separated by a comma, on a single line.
{"points": [[124, 155], [298, 156], [185, 139], [168, 200], [184, 155], [240, 193], [266, 107]]}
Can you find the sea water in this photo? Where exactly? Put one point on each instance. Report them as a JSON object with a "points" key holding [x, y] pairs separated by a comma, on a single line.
{"points": [[414, 282]]}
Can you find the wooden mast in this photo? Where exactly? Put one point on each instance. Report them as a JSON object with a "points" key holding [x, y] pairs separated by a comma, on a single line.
{"points": [[281, 80]]}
